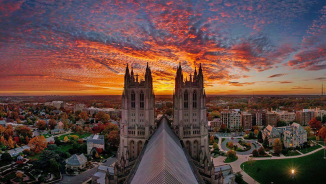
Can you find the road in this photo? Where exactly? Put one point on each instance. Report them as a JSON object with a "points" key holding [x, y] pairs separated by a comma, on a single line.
{"points": [[254, 145], [85, 175]]}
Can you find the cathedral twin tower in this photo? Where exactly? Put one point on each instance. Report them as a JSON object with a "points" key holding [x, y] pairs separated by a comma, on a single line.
{"points": [[189, 115]]}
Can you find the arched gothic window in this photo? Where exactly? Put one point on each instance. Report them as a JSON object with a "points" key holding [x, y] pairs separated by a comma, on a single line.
{"points": [[133, 99], [141, 97], [186, 100], [194, 100]]}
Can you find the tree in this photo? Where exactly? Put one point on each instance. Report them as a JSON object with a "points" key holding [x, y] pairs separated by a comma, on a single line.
{"points": [[255, 153], [211, 140], [52, 124], [223, 127], [102, 116], [65, 124], [57, 141], [9, 131], [19, 175], [73, 137], [230, 144], [281, 123], [247, 132], [215, 145], [260, 137], [256, 132], [113, 138], [322, 133], [109, 127], [231, 154], [3, 141], [308, 130], [315, 125], [83, 115], [65, 139], [99, 150], [41, 125], [255, 127], [2, 130], [261, 151], [6, 157], [23, 131], [277, 146], [214, 114], [10, 143], [54, 165], [238, 177], [38, 144], [266, 142]]}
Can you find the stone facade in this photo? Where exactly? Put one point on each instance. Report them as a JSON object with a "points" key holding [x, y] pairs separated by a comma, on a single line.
{"points": [[97, 141], [304, 116], [231, 118], [292, 136], [246, 119]]}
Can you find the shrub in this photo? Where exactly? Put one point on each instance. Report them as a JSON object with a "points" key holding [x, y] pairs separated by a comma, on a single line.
{"points": [[255, 153], [80, 141], [230, 144], [261, 151], [26, 151], [231, 154], [285, 151], [215, 146], [238, 177]]}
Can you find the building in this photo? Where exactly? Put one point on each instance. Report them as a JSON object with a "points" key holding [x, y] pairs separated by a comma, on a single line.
{"points": [[292, 136], [57, 104], [320, 113], [231, 118], [216, 123], [246, 119], [271, 119], [3, 123], [76, 162], [304, 116], [79, 107], [285, 116], [96, 141], [161, 151]]}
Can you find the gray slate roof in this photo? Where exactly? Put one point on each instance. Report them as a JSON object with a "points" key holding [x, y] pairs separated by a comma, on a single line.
{"points": [[164, 160], [76, 160], [96, 139]]}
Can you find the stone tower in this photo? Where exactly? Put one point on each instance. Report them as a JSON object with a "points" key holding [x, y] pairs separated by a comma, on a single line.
{"points": [[190, 123], [137, 118]]}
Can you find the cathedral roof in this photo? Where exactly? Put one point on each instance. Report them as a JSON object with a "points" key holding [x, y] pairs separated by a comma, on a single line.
{"points": [[164, 160]]}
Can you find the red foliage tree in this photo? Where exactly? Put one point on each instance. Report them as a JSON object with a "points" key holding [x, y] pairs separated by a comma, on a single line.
{"points": [[41, 125], [16, 139], [52, 124], [99, 150], [315, 125]]}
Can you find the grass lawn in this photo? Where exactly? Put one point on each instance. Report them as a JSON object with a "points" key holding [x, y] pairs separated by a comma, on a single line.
{"points": [[9, 177], [308, 169], [79, 135], [36, 156], [307, 150], [292, 153], [229, 160], [313, 138], [47, 135], [65, 148]]}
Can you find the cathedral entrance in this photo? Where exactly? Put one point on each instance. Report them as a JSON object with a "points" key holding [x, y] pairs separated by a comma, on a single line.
{"points": [[188, 147], [139, 147], [196, 146]]}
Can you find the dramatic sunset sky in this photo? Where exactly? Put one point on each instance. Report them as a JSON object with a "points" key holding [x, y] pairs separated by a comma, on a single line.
{"points": [[64, 47]]}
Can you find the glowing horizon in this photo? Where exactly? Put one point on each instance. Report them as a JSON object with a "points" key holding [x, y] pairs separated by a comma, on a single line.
{"points": [[82, 48]]}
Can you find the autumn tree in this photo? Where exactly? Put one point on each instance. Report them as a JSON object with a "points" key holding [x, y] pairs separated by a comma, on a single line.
{"points": [[74, 137], [211, 140], [322, 133], [38, 144], [277, 146], [41, 125], [3, 141], [215, 146], [255, 153], [230, 144], [256, 132], [83, 115], [65, 124], [52, 124], [65, 139], [255, 127], [315, 125], [261, 151], [231, 154], [308, 130], [109, 127], [102, 116], [214, 114], [2, 130], [247, 132], [23, 131], [9, 131], [98, 128], [223, 127], [113, 138], [10, 143], [260, 137]]}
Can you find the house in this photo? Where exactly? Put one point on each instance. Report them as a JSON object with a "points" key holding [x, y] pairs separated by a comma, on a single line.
{"points": [[57, 130], [292, 136], [3, 123], [224, 173], [76, 162], [80, 122], [96, 141]]}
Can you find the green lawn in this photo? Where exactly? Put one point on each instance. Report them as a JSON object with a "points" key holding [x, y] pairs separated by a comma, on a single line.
{"points": [[307, 150], [65, 148], [79, 135], [292, 153], [308, 169], [229, 160]]}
